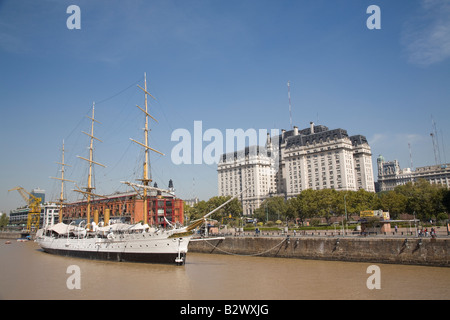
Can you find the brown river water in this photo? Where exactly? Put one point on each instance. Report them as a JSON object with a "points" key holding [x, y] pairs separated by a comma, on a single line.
{"points": [[26, 272]]}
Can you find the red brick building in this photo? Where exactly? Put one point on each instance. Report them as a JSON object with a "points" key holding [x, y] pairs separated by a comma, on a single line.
{"points": [[129, 207]]}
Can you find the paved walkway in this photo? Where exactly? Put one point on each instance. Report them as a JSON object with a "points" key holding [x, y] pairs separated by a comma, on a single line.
{"points": [[441, 232]]}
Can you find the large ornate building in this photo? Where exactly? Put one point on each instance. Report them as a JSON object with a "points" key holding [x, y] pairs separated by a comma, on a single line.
{"points": [[391, 175], [312, 158], [250, 171], [319, 158]]}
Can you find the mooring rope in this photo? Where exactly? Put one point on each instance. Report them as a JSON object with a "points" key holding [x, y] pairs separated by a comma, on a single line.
{"points": [[247, 255]]}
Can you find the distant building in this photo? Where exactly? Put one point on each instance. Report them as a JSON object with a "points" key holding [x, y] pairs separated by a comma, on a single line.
{"points": [[312, 158], [49, 211], [390, 175], [191, 202], [49, 214], [39, 193]]}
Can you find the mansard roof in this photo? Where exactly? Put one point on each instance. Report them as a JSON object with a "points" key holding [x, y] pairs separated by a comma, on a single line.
{"points": [[252, 150], [317, 137], [358, 140]]}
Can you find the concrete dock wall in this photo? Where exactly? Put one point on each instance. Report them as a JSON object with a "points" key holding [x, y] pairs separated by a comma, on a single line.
{"points": [[13, 235], [412, 250], [415, 251]]}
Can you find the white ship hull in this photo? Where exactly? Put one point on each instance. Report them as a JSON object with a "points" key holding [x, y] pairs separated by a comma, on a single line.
{"points": [[150, 247]]}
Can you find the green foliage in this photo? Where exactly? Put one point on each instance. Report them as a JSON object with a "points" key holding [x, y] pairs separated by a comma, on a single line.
{"points": [[423, 199], [394, 202], [201, 208], [326, 203], [446, 200], [427, 201], [271, 209], [4, 220]]}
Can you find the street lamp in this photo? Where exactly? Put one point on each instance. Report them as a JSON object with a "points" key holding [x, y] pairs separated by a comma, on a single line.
{"points": [[345, 206], [415, 226], [267, 212]]}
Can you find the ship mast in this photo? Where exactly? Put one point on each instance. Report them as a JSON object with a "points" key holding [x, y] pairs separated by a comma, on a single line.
{"points": [[146, 174], [91, 161], [61, 197]]}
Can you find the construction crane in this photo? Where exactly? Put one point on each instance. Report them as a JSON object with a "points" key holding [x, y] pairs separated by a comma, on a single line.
{"points": [[34, 205]]}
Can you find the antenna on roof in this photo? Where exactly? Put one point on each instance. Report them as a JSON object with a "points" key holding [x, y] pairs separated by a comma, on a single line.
{"points": [[290, 107], [410, 155], [434, 135]]}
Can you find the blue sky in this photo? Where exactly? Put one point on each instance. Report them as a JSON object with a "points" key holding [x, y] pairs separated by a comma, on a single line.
{"points": [[225, 63]]}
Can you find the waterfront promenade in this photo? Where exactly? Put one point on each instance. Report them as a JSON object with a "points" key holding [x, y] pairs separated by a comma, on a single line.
{"points": [[401, 247], [440, 232]]}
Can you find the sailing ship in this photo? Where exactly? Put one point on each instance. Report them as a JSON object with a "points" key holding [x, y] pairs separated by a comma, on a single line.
{"points": [[119, 241]]}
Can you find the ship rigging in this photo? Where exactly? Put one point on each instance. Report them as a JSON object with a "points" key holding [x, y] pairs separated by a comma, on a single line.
{"points": [[121, 242]]}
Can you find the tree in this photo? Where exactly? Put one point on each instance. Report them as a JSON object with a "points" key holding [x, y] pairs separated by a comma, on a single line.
{"points": [[446, 200], [361, 200], [196, 211], [4, 220], [202, 208], [273, 208], [394, 202], [294, 209], [423, 199], [307, 204], [233, 208], [327, 203]]}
